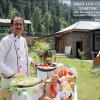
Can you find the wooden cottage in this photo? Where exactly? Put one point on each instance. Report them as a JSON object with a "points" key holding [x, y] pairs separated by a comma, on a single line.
{"points": [[83, 35]]}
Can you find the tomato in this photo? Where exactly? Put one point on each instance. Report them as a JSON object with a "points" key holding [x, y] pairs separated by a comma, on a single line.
{"points": [[68, 80], [51, 65]]}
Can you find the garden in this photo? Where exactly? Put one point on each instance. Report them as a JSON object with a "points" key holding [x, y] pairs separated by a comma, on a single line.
{"points": [[88, 86], [88, 83], [88, 80]]}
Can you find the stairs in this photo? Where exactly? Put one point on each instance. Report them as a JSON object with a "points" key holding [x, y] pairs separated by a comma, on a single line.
{"points": [[61, 55]]}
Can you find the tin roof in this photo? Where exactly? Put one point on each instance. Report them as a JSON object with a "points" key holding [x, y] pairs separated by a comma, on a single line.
{"points": [[6, 22], [82, 25]]}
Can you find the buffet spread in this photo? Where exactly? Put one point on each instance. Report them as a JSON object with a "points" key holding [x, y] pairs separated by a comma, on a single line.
{"points": [[54, 81], [60, 83]]}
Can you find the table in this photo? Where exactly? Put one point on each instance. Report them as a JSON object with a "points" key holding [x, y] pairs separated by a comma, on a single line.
{"points": [[25, 93], [58, 97], [43, 75], [75, 93]]}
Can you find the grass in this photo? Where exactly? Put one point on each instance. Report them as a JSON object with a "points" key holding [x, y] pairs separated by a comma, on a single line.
{"points": [[88, 84]]}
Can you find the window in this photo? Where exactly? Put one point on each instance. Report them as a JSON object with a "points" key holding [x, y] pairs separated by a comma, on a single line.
{"points": [[97, 42]]}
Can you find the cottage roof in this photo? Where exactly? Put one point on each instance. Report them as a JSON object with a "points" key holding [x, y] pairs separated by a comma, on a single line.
{"points": [[82, 25], [6, 22]]}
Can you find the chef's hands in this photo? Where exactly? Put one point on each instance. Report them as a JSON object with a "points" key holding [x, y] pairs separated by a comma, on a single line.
{"points": [[18, 75]]}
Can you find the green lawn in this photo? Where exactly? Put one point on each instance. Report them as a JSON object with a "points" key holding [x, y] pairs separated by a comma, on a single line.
{"points": [[88, 84]]}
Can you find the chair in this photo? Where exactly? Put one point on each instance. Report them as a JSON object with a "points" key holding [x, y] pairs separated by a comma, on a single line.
{"points": [[95, 71], [96, 61], [68, 50]]}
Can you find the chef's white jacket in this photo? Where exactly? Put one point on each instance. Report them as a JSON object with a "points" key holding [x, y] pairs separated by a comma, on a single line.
{"points": [[14, 58], [14, 55]]}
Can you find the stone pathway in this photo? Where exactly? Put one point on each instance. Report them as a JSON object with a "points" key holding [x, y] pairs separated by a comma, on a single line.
{"points": [[64, 55]]}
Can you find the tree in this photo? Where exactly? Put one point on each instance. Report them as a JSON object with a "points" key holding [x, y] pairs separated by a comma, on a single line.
{"points": [[47, 16], [43, 5], [27, 10], [47, 19], [37, 19], [1, 11], [56, 24]]}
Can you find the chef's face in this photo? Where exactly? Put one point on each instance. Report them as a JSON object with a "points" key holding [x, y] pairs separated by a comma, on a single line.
{"points": [[17, 26]]}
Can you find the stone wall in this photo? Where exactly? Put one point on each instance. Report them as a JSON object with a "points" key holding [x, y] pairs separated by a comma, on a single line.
{"points": [[85, 37], [31, 41], [51, 40]]}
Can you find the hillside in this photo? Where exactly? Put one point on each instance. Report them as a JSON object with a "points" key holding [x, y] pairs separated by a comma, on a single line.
{"points": [[47, 16]]}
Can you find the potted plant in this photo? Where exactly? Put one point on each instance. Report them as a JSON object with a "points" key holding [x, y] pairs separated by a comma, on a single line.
{"points": [[81, 54], [41, 47]]}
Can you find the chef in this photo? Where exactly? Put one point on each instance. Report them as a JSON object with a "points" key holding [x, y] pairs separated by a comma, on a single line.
{"points": [[14, 60]]}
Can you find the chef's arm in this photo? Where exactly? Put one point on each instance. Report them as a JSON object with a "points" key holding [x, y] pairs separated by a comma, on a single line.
{"points": [[7, 72], [4, 69], [31, 62]]}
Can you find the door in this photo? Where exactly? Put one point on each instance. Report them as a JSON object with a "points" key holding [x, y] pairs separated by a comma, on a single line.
{"points": [[79, 45], [60, 43], [57, 41]]}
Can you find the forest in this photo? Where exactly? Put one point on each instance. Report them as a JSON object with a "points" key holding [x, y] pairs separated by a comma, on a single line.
{"points": [[47, 16]]}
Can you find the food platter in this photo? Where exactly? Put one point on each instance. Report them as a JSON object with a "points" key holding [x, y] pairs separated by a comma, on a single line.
{"points": [[46, 67], [28, 83]]}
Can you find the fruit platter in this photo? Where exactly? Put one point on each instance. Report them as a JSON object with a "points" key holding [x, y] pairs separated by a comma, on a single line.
{"points": [[46, 67]]}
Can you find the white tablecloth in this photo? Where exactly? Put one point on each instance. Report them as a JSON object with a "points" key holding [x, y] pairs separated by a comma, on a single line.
{"points": [[58, 97], [27, 96], [35, 95], [43, 75], [75, 93]]}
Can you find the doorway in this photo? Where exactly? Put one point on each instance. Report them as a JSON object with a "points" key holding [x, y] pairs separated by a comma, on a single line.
{"points": [[79, 45], [60, 43], [57, 40]]}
